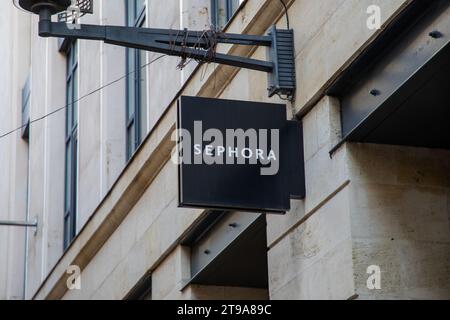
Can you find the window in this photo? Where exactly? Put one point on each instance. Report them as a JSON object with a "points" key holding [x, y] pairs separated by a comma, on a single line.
{"points": [[136, 82], [71, 176], [26, 110], [222, 11]]}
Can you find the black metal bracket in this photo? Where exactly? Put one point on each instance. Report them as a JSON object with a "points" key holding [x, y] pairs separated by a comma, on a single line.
{"points": [[193, 44]]}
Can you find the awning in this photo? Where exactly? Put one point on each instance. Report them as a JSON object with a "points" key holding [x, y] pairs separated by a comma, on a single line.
{"points": [[397, 91]]}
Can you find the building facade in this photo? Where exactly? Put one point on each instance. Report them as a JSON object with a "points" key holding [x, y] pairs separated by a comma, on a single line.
{"points": [[90, 161]]}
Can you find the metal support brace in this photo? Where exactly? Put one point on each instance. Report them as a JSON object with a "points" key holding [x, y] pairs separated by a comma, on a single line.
{"points": [[21, 224], [193, 44]]}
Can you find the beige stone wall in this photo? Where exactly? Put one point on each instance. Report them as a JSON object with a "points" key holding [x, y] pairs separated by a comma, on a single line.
{"points": [[366, 205], [386, 206], [148, 233], [47, 149], [101, 136], [328, 35], [102, 114], [310, 249], [400, 220]]}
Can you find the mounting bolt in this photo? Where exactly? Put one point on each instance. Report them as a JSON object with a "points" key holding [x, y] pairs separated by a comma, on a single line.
{"points": [[435, 34], [233, 225], [206, 251], [375, 92], [35, 222]]}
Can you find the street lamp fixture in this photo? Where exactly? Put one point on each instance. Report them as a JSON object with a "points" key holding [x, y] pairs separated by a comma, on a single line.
{"points": [[198, 45], [35, 6]]}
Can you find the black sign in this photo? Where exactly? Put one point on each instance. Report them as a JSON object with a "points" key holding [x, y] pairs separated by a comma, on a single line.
{"points": [[238, 155]]}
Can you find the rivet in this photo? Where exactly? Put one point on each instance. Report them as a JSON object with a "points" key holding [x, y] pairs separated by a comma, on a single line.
{"points": [[207, 251], [435, 34], [375, 92]]}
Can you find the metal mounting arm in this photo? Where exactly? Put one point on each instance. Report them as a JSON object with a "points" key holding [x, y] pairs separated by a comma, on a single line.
{"points": [[21, 224], [193, 44]]}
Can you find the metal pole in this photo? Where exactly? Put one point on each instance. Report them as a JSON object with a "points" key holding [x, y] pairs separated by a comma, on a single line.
{"points": [[19, 224], [23, 224]]}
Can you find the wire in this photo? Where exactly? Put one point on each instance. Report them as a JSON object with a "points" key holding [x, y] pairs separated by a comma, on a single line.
{"points": [[79, 99], [286, 12], [284, 98], [209, 36]]}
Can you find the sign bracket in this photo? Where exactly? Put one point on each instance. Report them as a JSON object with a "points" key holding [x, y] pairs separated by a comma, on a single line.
{"points": [[197, 45]]}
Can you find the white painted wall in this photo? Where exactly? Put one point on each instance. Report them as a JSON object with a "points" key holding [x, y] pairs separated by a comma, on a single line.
{"points": [[14, 66]]}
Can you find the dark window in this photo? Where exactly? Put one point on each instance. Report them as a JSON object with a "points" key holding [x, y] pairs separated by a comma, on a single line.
{"points": [[222, 11], [26, 110], [71, 178], [136, 82]]}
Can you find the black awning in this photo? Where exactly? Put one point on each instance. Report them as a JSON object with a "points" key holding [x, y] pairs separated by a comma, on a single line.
{"points": [[401, 98]]}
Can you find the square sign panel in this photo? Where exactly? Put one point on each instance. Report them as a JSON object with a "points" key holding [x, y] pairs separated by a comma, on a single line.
{"points": [[238, 155]]}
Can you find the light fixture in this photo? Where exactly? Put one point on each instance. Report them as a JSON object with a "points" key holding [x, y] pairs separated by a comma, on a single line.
{"points": [[35, 6]]}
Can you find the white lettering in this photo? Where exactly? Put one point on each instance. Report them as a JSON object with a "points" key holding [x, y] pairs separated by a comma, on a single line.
{"points": [[220, 150], [259, 154], [249, 146], [209, 150], [374, 280], [232, 152], [374, 20], [197, 149], [272, 156], [74, 280], [199, 311], [247, 153]]}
